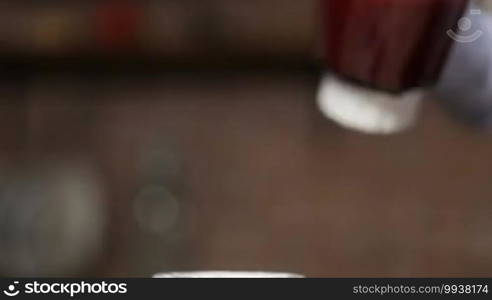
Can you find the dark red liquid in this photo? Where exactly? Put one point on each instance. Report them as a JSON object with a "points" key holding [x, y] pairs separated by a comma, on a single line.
{"points": [[389, 44]]}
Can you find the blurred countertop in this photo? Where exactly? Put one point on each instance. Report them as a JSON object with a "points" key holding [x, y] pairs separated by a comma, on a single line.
{"points": [[267, 182]]}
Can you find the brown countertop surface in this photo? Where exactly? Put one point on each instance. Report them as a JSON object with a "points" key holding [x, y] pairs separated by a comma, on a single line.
{"points": [[266, 182]]}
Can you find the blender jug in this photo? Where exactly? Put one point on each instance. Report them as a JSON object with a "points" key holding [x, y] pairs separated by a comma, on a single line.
{"points": [[382, 55]]}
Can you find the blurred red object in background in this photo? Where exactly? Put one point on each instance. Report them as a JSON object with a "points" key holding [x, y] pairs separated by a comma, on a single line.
{"points": [[118, 24]]}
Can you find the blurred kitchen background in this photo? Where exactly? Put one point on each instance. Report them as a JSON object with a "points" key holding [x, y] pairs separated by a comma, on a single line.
{"points": [[145, 136]]}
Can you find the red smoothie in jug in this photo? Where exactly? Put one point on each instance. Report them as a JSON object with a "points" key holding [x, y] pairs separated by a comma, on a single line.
{"points": [[392, 45]]}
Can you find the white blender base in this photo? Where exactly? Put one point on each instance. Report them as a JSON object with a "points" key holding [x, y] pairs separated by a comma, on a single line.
{"points": [[366, 110]]}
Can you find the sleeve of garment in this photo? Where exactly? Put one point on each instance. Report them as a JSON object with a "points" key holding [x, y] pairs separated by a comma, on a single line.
{"points": [[465, 87]]}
